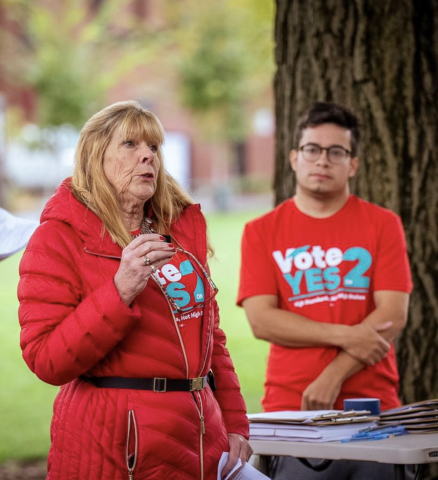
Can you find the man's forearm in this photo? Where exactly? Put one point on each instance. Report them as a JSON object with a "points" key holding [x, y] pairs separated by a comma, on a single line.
{"points": [[345, 365], [322, 393], [381, 315], [324, 390], [365, 341], [292, 330], [342, 367]]}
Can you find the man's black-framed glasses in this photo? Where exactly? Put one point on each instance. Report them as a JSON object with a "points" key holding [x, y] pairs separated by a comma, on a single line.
{"points": [[335, 154]]}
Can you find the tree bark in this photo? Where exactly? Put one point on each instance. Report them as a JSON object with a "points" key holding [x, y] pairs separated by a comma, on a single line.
{"points": [[379, 58]]}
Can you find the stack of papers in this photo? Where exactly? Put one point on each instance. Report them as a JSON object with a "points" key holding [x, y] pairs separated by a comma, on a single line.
{"points": [[420, 417], [309, 426]]}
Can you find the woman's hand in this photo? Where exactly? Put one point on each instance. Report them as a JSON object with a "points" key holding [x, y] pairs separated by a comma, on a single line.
{"points": [[239, 448], [133, 274]]}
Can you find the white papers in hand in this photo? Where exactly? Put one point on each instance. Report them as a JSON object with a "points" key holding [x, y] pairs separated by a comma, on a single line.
{"points": [[248, 472]]}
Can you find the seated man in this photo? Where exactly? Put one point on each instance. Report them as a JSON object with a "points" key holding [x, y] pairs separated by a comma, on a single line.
{"points": [[325, 279]]}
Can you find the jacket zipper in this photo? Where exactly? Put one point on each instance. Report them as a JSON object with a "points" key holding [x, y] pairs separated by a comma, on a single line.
{"points": [[209, 324], [210, 332], [200, 410], [131, 459], [178, 333]]}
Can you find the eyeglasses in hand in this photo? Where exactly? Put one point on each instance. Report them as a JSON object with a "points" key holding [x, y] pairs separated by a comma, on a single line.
{"points": [[213, 288]]}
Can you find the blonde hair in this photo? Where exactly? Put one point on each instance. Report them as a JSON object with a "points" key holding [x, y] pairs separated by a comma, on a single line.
{"points": [[90, 185]]}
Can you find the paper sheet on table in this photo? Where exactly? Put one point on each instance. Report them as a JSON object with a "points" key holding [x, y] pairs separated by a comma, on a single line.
{"points": [[288, 416], [248, 472]]}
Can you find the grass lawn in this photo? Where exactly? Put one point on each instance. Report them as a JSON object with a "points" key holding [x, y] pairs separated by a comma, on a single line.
{"points": [[249, 354], [26, 402]]}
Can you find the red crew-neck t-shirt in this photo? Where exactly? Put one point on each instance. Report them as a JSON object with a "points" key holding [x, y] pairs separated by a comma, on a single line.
{"points": [[184, 283], [325, 269]]}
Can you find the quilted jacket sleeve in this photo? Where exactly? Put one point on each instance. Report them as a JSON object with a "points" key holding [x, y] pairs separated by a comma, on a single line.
{"points": [[65, 332], [227, 384]]}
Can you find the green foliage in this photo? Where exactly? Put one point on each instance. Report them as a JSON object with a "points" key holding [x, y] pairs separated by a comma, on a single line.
{"points": [[213, 72], [249, 354], [73, 57], [26, 402], [225, 56], [62, 98], [220, 52]]}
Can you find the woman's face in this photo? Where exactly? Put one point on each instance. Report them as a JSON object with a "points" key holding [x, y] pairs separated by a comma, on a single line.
{"points": [[131, 166]]}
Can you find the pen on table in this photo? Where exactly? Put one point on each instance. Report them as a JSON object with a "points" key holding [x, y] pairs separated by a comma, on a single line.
{"points": [[376, 435], [381, 429], [380, 436]]}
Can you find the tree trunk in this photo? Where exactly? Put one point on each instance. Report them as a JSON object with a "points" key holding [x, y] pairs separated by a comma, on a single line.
{"points": [[379, 58]]}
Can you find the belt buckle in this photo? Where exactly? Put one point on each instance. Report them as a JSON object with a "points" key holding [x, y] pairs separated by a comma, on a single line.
{"points": [[160, 385], [196, 384]]}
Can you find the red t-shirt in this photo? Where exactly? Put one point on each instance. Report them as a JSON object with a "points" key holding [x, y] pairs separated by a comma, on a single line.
{"points": [[184, 283], [325, 269]]}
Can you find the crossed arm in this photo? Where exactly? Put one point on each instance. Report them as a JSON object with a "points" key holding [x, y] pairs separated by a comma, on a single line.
{"points": [[363, 344]]}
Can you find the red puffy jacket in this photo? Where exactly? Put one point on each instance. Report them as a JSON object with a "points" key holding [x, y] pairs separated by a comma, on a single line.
{"points": [[74, 323]]}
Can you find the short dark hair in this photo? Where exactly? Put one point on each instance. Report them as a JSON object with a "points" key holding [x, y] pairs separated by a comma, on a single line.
{"points": [[325, 112]]}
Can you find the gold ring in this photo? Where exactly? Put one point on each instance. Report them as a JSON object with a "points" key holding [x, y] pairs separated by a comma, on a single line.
{"points": [[153, 268], [146, 260]]}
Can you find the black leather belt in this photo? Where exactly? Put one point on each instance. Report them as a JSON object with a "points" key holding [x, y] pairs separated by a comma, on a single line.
{"points": [[156, 384]]}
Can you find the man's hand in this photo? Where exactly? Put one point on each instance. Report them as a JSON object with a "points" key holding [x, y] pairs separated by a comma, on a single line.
{"points": [[322, 393], [364, 342], [239, 448]]}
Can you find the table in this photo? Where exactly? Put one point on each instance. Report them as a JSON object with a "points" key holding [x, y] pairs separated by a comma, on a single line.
{"points": [[400, 451]]}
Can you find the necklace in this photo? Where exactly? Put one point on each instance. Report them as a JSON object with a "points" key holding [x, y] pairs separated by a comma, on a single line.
{"points": [[145, 227]]}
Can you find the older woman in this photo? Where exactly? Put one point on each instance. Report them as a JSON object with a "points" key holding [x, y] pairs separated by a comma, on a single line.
{"points": [[117, 307]]}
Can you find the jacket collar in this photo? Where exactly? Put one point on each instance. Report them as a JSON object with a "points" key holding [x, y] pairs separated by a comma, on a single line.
{"points": [[188, 230]]}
